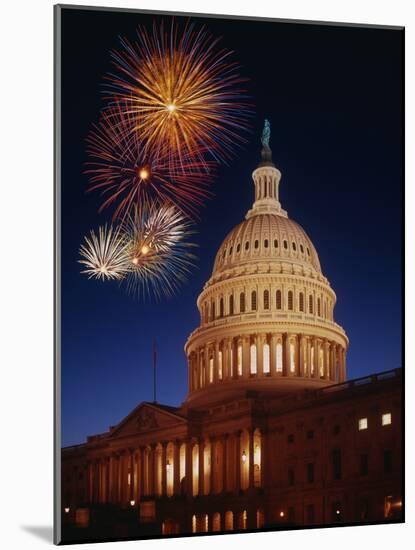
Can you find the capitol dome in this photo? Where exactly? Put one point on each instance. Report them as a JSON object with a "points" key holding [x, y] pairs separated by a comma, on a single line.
{"points": [[267, 311]]}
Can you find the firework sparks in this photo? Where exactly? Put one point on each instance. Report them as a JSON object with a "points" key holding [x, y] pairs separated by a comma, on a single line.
{"points": [[104, 254], [157, 249], [183, 92], [129, 174]]}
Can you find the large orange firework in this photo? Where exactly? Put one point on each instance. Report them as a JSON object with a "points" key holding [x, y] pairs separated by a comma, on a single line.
{"points": [[130, 175], [184, 93]]}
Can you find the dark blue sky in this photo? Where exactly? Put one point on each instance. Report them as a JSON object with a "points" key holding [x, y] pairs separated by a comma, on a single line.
{"points": [[334, 99]]}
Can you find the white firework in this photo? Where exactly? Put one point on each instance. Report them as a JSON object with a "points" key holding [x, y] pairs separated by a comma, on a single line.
{"points": [[104, 255]]}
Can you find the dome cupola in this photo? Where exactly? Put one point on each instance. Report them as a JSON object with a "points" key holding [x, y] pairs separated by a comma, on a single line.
{"points": [[267, 311]]}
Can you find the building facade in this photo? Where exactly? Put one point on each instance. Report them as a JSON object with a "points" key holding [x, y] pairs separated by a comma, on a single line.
{"points": [[271, 434]]}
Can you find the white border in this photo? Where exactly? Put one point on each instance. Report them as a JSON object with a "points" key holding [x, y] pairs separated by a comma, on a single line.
{"points": [[26, 299]]}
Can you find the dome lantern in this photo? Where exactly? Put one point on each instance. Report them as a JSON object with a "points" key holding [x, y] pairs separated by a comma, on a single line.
{"points": [[266, 180]]}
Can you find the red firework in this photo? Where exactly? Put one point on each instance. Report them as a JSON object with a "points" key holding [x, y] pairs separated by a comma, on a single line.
{"points": [[129, 174]]}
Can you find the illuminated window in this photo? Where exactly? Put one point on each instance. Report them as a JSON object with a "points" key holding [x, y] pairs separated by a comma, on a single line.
{"points": [[194, 527], [310, 304], [242, 303], [239, 365], [220, 365], [266, 299], [386, 419], [362, 424], [231, 304], [290, 300], [301, 301], [229, 521], [278, 356], [278, 299], [211, 370], [216, 522], [253, 300], [253, 359], [243, 520], [292, 357], [266, 359]]}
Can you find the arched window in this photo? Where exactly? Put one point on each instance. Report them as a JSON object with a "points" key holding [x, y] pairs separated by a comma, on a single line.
{"points": [[275, 243], [253, 300], [319, 307], [310, 304], [221, 308], [266, 299], [242, 302], [301, 301], [256, 243], [278, 299], [216, 522], [238, 248], [247, 245], [302, 249], [253, 368], [308, 251], [231, 304], [294, 246], [285, 244], [230, 250], [290, 300], [212, 311], [266, 243]]}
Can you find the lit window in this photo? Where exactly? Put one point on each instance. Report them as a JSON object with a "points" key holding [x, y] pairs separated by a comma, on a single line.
{"points": [[362, 424], [386, 419], [253, 359], [266, 359]]}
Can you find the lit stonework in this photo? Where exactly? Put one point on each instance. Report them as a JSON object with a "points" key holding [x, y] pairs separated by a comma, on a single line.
{"points": [[266, 313]]}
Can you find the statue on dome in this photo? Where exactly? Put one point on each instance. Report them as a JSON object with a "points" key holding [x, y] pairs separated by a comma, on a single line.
{"points": [[266, 134]]}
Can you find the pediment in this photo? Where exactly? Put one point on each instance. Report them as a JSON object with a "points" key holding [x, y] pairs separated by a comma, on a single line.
{"points": [[147, 417]]}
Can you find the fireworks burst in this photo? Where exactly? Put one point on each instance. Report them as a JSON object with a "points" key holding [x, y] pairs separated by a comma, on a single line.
{"points": [[157, 249], [183, 92], [129, 174], [104, 255]]}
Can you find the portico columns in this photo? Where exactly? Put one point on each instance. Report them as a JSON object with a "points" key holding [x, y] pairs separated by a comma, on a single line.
{"points": [[245, 357], [273, 356], [259, 340], [251, 483], [176, 468], [285, 355], [201, 466], [189, 468]]}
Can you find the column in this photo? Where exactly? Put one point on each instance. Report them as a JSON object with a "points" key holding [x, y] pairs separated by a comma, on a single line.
{"points": [[153, 475], [163, 469], [176, 468], [332, 361], [216, 363], [308, 343], [302, 341], [238, 460], [107, 479], [326, 360], [142, 471], [297, 355], [259, 340], [316, 373], [273, 355], [212, 465], [225, 462], [189, 468], [251, 483], [245, 357], [285, 355], [201, 466], [263, 458]]}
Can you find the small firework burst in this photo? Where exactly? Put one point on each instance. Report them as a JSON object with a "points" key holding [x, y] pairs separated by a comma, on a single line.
{"points": [[104, 254], [158, 251], [129, 175], [183, 92]]}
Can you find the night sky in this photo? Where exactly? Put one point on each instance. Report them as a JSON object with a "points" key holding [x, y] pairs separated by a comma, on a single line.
{"points": [[333, 96]]}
